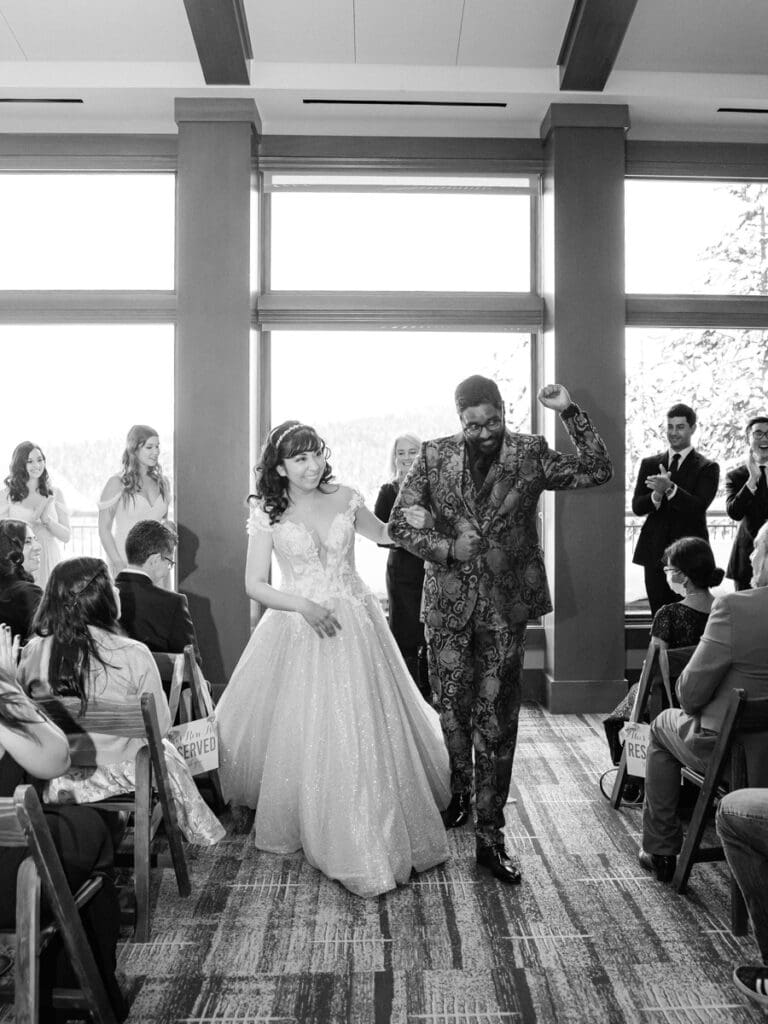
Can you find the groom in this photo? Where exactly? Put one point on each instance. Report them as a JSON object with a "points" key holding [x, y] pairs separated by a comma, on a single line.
{"points": [[484, 580]]}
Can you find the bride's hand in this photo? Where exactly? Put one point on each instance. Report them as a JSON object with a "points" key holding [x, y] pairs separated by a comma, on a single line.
{"points": [[419, 518], [321, 619]]}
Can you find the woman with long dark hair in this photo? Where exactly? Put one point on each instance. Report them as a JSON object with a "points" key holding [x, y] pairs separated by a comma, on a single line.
{"points": [[321, 727], [30, 496], [139, 491], [78, 650], [19, 595], [32, 747]]}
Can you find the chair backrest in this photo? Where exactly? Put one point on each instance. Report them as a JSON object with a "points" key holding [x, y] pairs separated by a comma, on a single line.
{"points": [[174, 671], [672, 661], [107, 717], [22, 823], [202, 704]]}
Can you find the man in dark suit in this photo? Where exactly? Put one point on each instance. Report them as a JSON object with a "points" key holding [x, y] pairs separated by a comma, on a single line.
{"points": [[732, 654], [484, 580], [159, 618], [674, 490], [746, 501]]}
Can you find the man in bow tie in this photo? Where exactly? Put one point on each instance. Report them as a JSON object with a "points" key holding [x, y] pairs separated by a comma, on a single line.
{"points": [[484, 580], [674, 490]]}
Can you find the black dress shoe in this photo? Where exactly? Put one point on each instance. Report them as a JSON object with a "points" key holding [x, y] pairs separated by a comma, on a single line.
{"points": [[495, 860], [664, 865], [458, 811]]}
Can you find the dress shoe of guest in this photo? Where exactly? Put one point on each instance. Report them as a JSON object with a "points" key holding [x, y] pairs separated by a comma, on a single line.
{"points": [[753, 982], [458, 811], [664, 865], [495, 860]]}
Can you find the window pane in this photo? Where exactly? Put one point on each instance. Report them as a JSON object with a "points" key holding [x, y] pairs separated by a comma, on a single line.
{"points": [[697, 237], [91, 231], [723, 376], [360, 390], [401, 242], [85, 386]]}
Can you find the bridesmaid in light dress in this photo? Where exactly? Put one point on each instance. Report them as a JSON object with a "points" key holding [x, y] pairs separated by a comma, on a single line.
{"points": [[139, 492], [29, 496]]}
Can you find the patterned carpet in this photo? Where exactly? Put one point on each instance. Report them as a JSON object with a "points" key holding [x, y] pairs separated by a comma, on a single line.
{"points": [[588, 937]]}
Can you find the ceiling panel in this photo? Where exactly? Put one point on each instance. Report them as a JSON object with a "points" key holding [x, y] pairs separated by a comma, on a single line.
{"points": [[100, 30], [513, 33], [407, 31], [695, 36], [318, 31]]}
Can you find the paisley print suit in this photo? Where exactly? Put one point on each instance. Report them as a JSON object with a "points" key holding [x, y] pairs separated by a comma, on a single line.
{"points": [[476, 611]]}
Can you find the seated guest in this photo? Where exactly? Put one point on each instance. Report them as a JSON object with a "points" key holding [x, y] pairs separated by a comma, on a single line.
{"points": [[689, 566], [19, 594], [79, 651], [32, 747], [732, 654], [742, 824], [690, 569], [157, 617]]}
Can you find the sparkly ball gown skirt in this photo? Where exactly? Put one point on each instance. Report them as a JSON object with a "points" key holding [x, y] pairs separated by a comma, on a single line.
{"points": [[329, 739]]}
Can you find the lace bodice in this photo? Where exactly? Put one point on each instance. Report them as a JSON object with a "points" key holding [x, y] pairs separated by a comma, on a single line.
{"points": [[317, 568]]}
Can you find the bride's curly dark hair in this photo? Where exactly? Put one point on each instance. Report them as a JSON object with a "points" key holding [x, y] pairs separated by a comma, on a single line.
{"points": [[17, 480], [286, 441]]}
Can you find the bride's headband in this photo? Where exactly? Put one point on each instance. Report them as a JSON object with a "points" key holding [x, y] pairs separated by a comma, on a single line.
{"points": [[285, 433]]}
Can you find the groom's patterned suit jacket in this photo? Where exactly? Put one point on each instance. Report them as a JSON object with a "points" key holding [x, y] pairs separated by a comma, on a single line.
{"points": [[509, 571]]}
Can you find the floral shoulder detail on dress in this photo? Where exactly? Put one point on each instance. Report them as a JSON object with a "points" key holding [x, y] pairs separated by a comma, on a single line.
{"points": [[258, 522], [356, 501]]}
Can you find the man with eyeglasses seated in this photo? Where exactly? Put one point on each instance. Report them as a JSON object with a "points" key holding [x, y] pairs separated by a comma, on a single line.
{"points": [[157, 617], [746, 501], [485, 579]]}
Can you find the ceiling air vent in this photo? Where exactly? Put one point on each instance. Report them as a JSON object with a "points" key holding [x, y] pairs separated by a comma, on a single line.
{"points": [[40, 99], [742, 110], [402, 103]]}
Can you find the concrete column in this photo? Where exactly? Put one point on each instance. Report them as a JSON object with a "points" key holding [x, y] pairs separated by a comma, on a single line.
{"points": [[583, 348], [212, 370]]}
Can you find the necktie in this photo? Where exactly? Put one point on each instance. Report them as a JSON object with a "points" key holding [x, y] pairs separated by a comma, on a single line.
{"points": [[762, 484], [674, 463]]}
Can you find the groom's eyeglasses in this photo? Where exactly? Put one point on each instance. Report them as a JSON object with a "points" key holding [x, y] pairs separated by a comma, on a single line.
{"points": [[476, 429]]}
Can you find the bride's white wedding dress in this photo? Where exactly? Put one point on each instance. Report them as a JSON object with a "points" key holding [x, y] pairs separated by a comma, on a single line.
{"points": [[329, 738]]}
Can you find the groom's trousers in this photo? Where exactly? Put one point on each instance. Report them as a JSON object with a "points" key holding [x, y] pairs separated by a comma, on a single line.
{"points": [[475, 673]]}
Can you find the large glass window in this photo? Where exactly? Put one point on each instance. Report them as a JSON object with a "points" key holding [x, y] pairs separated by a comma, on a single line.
{"points": [[87, 231], [696, 237], [400, 234], [75, 390], [723, 375], [361, 389]]}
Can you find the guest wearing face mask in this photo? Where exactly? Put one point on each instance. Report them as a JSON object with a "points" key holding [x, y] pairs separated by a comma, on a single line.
{"points": [[689, 566]]}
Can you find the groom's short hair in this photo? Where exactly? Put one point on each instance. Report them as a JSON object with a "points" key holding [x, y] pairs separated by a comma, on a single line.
{"points": [[477, 390]]}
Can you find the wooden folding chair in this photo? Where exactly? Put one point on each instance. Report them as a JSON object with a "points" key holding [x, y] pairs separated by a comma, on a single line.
{"points": [[175, 678], [727, 769], [661, 668], [135, 720], [23, 824]]}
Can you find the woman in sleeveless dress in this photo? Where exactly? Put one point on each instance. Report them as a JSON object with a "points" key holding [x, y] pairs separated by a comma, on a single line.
{"points": [[139, 492], [30, 497], [321, 727]]}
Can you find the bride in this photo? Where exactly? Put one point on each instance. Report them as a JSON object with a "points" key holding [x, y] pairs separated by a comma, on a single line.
{"points": [[321, 727]]}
